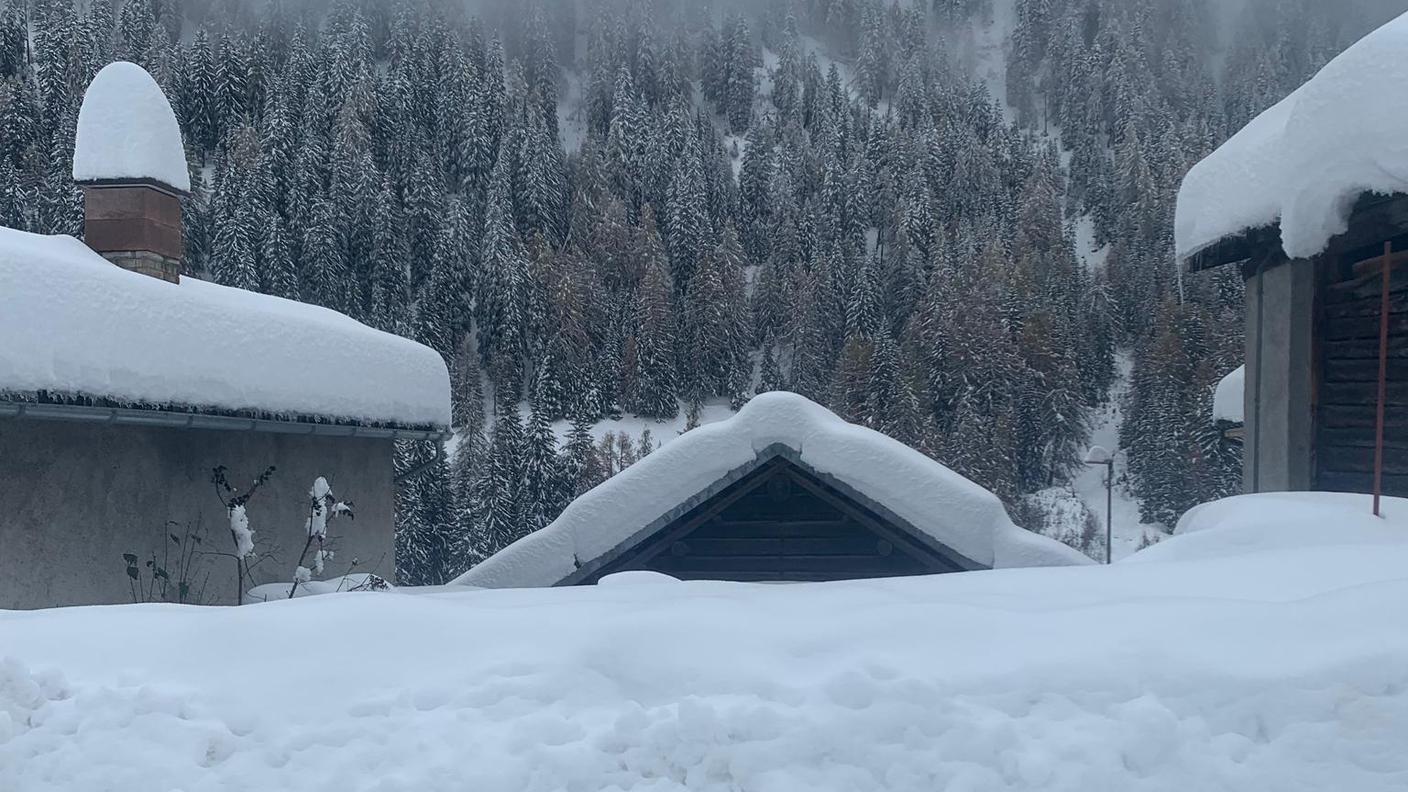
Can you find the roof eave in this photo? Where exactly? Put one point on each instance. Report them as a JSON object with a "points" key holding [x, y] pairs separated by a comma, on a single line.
{"points": [[170, 419], [1250, 244]]}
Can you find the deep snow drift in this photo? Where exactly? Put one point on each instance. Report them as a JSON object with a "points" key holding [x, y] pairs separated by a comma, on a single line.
{"points": [[76, 324], [1212, 664], [1306, 159]]}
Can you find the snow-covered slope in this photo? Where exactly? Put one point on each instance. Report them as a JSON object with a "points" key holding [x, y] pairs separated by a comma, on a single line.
{"points": [[1066, 508], [1281, 668], [1128, 527]]}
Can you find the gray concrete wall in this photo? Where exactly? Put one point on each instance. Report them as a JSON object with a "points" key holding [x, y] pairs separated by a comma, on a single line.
{"points": [[74, 497], [1280, 427]]}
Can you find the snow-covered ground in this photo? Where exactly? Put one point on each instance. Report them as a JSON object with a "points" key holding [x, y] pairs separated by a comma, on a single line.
{"points": [[571, 117], [1092, 255], [988, 56], [1065, 509], [633, 426], [1129, 530], [1238, 657]]}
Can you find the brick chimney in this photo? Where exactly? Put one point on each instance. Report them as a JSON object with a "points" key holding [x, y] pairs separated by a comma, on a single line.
{"points": [[131, 164], [135, 226]]}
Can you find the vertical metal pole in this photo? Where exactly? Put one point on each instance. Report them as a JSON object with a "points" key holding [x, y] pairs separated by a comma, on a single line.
{"points": [[1383, 381], [1109, 510], [1256, 372]]}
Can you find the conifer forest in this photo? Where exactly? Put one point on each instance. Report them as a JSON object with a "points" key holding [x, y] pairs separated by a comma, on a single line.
{"points": [[948, 220]]}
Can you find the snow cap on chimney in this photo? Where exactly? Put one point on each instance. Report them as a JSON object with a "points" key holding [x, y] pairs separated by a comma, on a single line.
{"points": [[131, 163], [127, 132]]}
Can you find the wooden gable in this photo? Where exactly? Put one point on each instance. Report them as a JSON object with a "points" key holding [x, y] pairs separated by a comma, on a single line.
{"points": [[782, 521]]}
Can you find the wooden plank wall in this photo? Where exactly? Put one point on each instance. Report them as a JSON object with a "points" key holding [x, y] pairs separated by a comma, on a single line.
{"points": [[779, 524], [1347, 396]]}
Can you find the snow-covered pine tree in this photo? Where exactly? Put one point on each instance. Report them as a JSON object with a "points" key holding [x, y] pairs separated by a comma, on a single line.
{"points": [[714, 338], [500, 310], [581, 466], [542, 473], [649, 362], [499, 491], [430, 546]]}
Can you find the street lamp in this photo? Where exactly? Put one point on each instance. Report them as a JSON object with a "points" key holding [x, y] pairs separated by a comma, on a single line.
{"points": [[1099, 456]]}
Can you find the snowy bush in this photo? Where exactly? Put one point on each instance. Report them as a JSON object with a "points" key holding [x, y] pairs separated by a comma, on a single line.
{"points": [[241, 533], [1059, 513], [322, 507], [178, 572]]}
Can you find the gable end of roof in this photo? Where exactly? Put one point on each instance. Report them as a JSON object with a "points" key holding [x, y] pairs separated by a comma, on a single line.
{"points": [[586, 569]]}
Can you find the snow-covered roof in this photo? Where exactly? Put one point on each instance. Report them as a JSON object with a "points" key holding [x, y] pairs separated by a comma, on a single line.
{"points": [[75, 324], [1304, 161], [946, 507], [1228, 403], [126, 130]]}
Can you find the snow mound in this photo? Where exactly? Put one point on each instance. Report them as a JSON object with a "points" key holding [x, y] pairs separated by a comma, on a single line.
{"points": [[1280, 521], [126, 130], [1228, 401], [1061, 514], [1306, 160], [937, 501], [354, 583], [637, 577], [75, 324], [1281, 670]]}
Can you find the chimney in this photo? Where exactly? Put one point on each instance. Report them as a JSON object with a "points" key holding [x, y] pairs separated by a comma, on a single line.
{"points": [[135, 226], [131, 164]]}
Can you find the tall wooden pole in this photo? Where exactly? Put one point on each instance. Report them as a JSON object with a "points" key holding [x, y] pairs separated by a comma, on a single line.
{"points": [[1383, 382]]}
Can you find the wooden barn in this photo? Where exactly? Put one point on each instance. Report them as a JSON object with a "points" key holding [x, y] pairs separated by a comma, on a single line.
{"points": [[1313, 354], [1310, 202], [784, 491]]}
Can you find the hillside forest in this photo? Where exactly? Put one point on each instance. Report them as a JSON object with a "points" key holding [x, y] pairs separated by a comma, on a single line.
{"points": [[948, 220]]}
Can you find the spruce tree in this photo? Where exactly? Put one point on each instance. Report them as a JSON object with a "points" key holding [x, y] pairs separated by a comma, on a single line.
{"points": [[649, 369], [499, 491], [542, 473]]}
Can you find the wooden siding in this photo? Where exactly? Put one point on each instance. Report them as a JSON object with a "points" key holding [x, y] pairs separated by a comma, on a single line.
{"points": [[780, 523], [1347, 393]]}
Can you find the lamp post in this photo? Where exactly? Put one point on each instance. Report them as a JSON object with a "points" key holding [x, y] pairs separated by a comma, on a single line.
{"points": [[1099, 456]]}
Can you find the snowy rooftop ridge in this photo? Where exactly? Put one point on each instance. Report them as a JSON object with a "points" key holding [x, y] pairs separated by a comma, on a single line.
{"points": [[75, 324], [945, 506], [1305, 160], [126, 130]]}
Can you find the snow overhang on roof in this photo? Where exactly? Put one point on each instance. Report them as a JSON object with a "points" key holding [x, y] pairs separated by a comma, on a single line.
{"points": [[127, 131], [1304, 162], [1228, 401], [948, 508], [78, 327]]}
